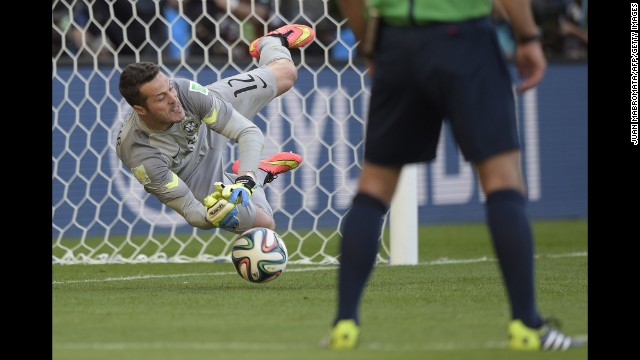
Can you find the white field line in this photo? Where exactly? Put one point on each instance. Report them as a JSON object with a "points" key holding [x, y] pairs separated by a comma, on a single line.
{"points": [[270, 346], [274, 346], [294, 268]]}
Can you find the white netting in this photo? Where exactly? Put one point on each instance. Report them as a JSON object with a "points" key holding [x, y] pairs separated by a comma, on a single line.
{"points": [[100, 214]]}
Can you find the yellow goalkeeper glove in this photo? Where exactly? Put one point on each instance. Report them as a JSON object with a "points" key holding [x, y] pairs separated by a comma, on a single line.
{"points": [[220, 212], [238, 193]]}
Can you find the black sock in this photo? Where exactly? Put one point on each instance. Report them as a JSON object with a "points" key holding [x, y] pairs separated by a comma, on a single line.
{"points": [[361, 229], [513, 243]]}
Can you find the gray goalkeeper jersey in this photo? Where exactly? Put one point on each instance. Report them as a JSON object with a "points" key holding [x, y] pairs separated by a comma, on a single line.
{"points": [[180, 165]]}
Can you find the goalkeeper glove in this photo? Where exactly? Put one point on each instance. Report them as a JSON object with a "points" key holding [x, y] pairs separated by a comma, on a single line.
{"points": [[220, 212], [238, 193]]}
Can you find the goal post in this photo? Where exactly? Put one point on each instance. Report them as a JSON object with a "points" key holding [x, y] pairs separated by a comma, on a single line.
{"points": [[403, 228]]}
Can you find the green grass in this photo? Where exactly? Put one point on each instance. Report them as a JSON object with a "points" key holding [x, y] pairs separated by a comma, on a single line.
{"points": [[437, 309]]}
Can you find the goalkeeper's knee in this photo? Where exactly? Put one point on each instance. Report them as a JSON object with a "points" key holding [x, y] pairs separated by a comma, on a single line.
{"points": [[221, 213]]}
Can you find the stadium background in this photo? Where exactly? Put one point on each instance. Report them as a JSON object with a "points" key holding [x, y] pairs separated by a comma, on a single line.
{"points": [[96, 202]]}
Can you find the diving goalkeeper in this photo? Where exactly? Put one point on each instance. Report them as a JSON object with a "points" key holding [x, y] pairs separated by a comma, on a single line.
{"points": [[177, 132]]}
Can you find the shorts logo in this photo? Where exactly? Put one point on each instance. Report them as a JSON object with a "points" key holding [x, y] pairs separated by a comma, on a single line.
{"points": [[141, 174], [193, 86]]}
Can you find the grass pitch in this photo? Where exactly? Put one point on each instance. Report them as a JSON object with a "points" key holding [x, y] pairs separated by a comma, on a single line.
{"points": [[450, 306]]}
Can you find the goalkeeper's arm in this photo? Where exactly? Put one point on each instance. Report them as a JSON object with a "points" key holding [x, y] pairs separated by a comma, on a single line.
{"points": [[193, 211], [215, 212], [250, 141], [238, 193], [218, 209]]}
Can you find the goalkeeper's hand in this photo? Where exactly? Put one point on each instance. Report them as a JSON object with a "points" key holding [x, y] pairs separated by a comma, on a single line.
{"points": [[238, 193], [220, 212]]}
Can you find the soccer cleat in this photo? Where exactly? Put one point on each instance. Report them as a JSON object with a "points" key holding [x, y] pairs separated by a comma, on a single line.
{"points": [[277, 164], [292, 36], [545, 338], [343, 336]]}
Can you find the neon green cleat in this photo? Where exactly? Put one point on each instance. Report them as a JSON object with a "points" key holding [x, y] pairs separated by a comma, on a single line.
{"points": [[545, 338], [343, 336], [292, 36]]}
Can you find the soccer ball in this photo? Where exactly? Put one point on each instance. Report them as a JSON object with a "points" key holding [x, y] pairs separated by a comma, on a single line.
{"points": [[259, 255]]}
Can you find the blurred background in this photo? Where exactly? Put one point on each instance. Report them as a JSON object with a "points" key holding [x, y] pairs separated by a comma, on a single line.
{"points": [[194, 30]]}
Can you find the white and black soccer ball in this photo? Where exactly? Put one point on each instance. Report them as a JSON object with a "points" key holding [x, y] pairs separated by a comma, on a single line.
{"points": [[259, 255]]}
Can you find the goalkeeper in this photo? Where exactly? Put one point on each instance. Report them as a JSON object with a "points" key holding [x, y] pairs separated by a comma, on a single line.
{"points": [[175, 137]]}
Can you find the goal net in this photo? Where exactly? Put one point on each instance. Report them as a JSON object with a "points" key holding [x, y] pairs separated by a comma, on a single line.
{"points": [[101, 214]]}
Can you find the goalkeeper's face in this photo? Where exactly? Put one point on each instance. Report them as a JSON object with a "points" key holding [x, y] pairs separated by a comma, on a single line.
{"points": [[162, 106]]}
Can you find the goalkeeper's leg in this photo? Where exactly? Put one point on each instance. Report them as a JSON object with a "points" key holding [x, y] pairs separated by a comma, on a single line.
{"points": [[275, 75], [272, 50], [279, 163], [260, 214]]}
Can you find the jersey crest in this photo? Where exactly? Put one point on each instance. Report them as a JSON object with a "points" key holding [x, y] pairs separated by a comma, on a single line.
{"points": [[190, 126]]}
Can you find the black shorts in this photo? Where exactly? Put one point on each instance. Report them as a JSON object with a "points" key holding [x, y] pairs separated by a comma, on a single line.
{"points": [[439, 72]]}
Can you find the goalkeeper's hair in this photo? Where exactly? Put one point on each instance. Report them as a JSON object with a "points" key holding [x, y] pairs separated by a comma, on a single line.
{"points": [[133, 76]]}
